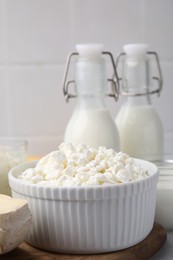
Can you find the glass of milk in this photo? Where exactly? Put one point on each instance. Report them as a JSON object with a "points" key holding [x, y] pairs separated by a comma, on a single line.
{"points": [[164, 205], [13, 151]]}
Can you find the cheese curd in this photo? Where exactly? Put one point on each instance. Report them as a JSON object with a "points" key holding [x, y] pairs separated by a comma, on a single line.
{"points": [[82, 165]]}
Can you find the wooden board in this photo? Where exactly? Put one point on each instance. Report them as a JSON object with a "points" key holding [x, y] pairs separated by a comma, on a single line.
{"points": [[145, 249]]}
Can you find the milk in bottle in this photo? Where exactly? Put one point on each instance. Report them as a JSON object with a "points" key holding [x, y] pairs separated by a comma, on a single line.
{"points": [[139, 125], [91, 122]]}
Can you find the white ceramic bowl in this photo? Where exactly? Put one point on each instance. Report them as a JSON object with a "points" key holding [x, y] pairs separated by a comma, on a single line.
{"points": [[85, 220]]}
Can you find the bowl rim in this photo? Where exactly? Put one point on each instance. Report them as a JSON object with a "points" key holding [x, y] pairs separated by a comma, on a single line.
{"points": [[33, 163], [82, 193]]}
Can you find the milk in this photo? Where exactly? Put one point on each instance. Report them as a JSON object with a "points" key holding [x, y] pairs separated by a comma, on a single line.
{"points": [[164, 205], [140, 131], [7, 161], [95, 127], [12, 153], [91, 122]]}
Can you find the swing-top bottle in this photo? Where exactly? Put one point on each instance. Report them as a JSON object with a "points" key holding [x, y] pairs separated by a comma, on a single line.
{"points": [[139, 125], [91, 122]]}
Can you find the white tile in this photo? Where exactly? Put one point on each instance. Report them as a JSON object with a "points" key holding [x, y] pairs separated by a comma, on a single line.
{"points": [[112, 22], [43, 144], [2, 32], [159, 26], [37, 30], [164, 104], [169, 143], [4, 108], [37, 103]]}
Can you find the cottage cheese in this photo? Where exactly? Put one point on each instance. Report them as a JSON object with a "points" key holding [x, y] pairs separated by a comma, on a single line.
{"points": [[82, 165]]}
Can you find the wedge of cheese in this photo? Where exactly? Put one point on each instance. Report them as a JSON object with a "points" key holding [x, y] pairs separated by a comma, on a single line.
{"points": [[15, 222]]}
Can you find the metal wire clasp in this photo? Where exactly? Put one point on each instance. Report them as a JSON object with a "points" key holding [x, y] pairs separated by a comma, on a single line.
{"points": [[114, 80], [159, 79]]}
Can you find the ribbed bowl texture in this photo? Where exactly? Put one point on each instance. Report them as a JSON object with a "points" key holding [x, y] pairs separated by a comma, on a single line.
{"points": [[87, 220]]}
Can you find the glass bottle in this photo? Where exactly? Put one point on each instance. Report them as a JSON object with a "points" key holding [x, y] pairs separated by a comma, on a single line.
{"points": [[139, 125], [91, 123]]}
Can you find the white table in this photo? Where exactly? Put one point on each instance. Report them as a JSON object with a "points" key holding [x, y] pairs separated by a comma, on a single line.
{"points": [[166, 252]]}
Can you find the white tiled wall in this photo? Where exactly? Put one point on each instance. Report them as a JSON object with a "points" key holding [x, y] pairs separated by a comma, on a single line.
{"points": [[37, 35]]}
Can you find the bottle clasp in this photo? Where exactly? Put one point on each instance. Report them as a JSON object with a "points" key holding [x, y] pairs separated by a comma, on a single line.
{"points": [[114, 81], [159, 79]]}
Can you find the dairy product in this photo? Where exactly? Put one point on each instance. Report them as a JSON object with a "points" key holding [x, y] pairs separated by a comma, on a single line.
{"points": [[12, 153], [15, 222], [164, 205], [139, 125], [82, 165], [7, 161], [91, 122], [94, 127], [140, 131]]}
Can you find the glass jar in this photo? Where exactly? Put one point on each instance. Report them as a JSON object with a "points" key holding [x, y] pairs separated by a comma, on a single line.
{"points": [[164, 204], [12, 152]]}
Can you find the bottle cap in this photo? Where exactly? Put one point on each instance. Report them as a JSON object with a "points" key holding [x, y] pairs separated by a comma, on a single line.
{"points": [[136, 51], [89, 50]]}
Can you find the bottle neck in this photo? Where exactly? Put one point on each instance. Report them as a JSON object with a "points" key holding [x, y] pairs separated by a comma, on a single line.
{"points": [[91, 81], [91, 102], [136, 81], [136, 76]]}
